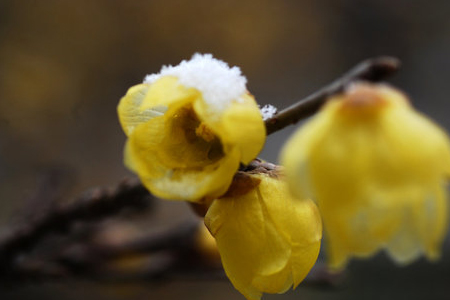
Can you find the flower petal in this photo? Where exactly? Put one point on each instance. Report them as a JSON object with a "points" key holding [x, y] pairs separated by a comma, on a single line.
{"points": [[128, 109], [192, 184], [168, 92], [240, 124], [141, 152], [249, 243]]}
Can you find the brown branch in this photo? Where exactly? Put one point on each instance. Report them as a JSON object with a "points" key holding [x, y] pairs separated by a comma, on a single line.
{"points": [[375, 69], [165, 251], [94, 205], [179, 238], [171, 253]]}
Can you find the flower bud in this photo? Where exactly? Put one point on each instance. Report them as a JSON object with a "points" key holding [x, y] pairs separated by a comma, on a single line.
{"points": [[267, 239], [189, 127]]}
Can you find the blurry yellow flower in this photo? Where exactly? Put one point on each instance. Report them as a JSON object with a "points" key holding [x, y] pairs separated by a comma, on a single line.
{"points": [[268, 240], [377, 169], [189, 127]]}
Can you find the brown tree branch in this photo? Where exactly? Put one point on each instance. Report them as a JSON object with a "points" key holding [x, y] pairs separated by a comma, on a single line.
{"points": [[374, 69], [94, 205]]}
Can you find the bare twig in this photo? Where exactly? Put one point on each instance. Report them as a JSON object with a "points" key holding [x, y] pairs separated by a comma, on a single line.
{"points": [[53, 182], [375, 69], [94, 205], [161, 252]]}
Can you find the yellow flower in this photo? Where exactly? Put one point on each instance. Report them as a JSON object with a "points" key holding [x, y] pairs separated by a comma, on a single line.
{"points": [[189, 127], [268, 240], [377, 169]]}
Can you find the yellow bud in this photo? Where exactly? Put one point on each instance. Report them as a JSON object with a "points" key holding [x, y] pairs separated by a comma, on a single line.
{"points": [[268, 240]]}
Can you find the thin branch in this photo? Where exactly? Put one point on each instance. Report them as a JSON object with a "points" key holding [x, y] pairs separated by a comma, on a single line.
{"points": [[375, 69], [94, 205], [179, 238], [174, 247], [53, 183]]}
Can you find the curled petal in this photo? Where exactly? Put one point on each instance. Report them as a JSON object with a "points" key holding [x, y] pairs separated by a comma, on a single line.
{"points": [[128, 109], [240, 124]]}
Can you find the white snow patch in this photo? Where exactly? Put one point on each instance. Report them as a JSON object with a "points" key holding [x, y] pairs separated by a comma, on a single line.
{"points": [[268, 111], [218, 83]]}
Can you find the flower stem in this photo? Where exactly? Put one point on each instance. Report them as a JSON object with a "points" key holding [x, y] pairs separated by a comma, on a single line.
{"points": [[374, 69]]}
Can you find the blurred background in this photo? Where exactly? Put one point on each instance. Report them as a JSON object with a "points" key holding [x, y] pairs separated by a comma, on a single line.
{"points": [[64, 65]]}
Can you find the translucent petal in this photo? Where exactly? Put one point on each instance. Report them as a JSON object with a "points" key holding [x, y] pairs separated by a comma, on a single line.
{"points": [[432, 217], [423, 228], [129, 111]]}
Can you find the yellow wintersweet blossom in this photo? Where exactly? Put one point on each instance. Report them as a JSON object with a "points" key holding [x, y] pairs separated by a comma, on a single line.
{"points": [[377, 169], [189, 127], [268, 240]]}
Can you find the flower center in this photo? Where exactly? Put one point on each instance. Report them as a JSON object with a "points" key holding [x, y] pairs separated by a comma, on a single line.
{"points": [[205, 132], [363, 100], [192, 143]]}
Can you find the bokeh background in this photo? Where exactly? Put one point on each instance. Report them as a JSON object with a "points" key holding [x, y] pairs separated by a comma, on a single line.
{"points": [[64, 65]]}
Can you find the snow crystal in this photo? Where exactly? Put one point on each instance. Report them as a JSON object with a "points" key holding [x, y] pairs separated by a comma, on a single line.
{"points": [[218, 83], [268, 111]]}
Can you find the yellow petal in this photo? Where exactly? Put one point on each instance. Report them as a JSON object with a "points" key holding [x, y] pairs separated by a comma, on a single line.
{"points": [[194, 185], [240, 124], [276, 283], [141, 152], [297, 219], [296, 152], [168, 92], [129, 111]]}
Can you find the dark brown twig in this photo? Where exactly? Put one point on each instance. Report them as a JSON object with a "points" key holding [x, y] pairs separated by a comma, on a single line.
{"points": [[172, 247], [374, 69], [94, 205], [53, 183]]}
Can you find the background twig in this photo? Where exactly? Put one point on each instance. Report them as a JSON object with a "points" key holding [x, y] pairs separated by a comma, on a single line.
{"points": [[94, 205]]}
